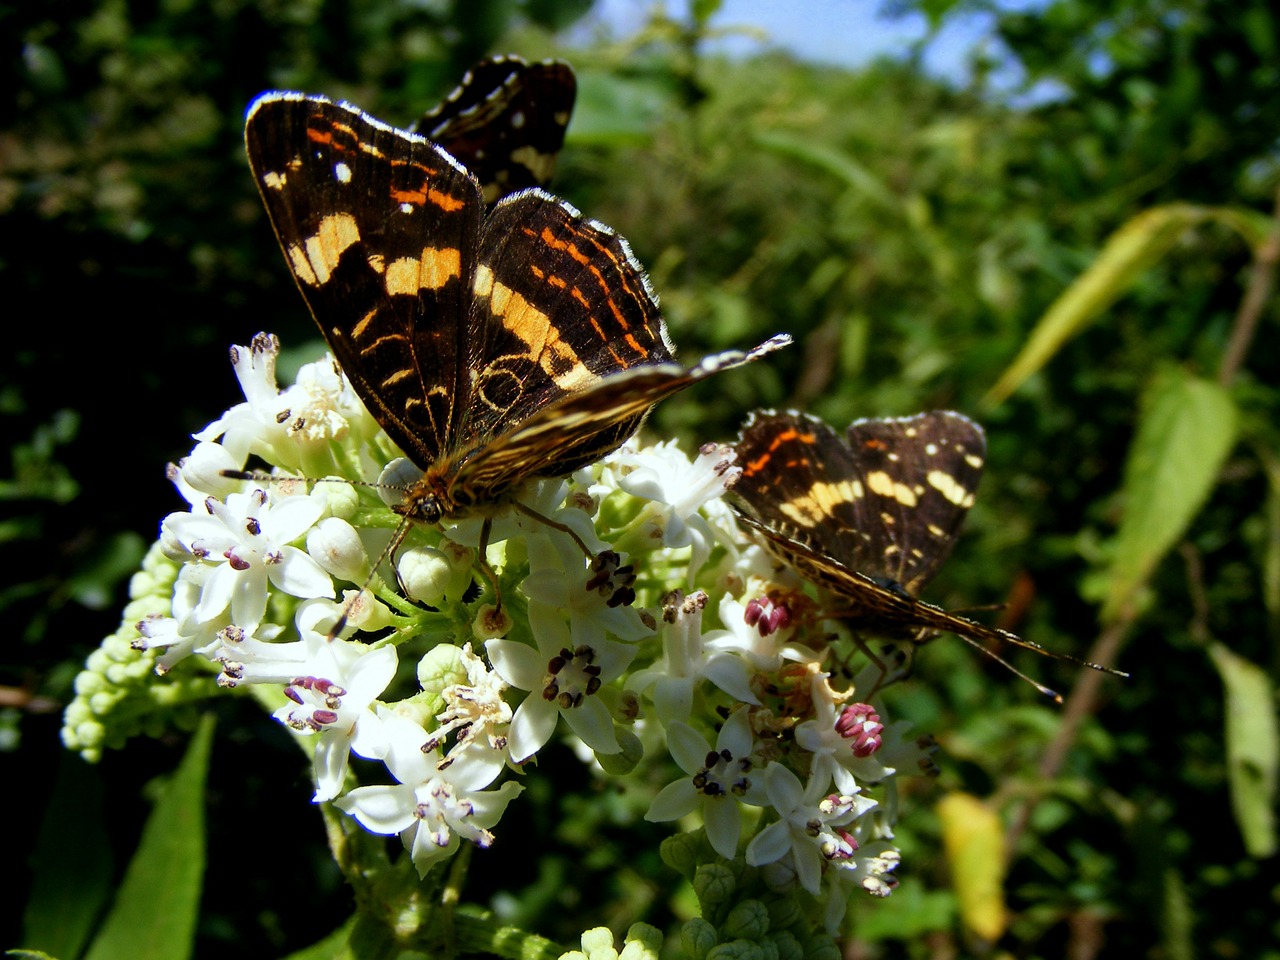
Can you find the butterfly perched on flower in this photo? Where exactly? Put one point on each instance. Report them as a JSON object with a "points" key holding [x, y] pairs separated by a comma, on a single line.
{"points": [[493, 346], [869, 516], [505, 122]]}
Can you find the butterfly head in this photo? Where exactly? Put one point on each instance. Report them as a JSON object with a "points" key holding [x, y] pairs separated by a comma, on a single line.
{"points": [[426, 501]]}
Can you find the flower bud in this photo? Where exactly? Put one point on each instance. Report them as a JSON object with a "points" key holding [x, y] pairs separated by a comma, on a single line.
{"points": [[202, 469], [426, 574], [365, 611], [335, 545], [338, 495]]}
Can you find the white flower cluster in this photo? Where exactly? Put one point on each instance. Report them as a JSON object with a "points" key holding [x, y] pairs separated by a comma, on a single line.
{"points": [[675, 642]]}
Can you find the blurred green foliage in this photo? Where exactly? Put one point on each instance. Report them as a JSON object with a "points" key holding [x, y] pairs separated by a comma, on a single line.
{"points": [[912, 235]]}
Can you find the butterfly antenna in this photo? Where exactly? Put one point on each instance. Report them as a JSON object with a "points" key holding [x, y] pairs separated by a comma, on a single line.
{"points": [[388, 551], [1054, 655], [988, 652], [261, 476]]}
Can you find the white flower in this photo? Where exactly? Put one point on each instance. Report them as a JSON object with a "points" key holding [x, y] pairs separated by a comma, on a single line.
{"points": [[247, 538], [181, 634], [430, 808], [476, 709], [597, 600], [563, 681], [718, 780], [319, 405], [809, 826], [686, 662], [742, 636], [254, 426], [664, 475], [253, 657], [332, 696]]}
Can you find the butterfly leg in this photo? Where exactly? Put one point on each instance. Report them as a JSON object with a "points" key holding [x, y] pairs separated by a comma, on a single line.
{"points": [[482, 561], [890, 672], [555, 525]]}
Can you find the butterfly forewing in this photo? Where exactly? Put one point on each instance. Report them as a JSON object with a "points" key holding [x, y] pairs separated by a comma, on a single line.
{"points": [[505, 122], [888, 502], [379, 229], [869, 517]]}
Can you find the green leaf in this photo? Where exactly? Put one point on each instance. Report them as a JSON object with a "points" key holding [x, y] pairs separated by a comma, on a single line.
{"points": [[1253, 748], [154, 915], [66, 860], [1187, 428], [1177, 919], [1128, 253], [974, 841], [335, 946], [857, 177]]}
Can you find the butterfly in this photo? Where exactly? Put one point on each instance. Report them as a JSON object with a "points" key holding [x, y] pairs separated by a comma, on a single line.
{"points": [[505, 122], [869, 516], [493, 346]]}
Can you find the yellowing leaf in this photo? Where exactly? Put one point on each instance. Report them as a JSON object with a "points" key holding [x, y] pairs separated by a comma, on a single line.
{"points": [[974, 841], [1253, 748]]}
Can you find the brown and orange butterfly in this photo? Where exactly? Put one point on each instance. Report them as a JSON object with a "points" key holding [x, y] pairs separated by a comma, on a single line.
{"points": [[493, 346], [869, 516]]}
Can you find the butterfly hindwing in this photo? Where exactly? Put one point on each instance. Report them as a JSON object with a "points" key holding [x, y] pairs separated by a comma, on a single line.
{"points": [[505, 122], [560, 303], [379, 229], [919, 475]]}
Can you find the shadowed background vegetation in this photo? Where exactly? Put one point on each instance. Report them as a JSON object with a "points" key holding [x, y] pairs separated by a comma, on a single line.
{"points": [[1087, 270]]}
